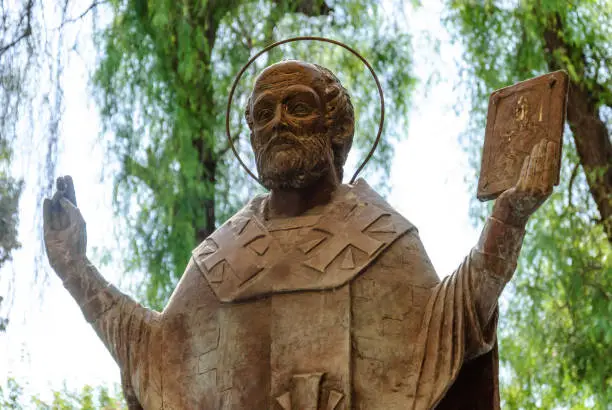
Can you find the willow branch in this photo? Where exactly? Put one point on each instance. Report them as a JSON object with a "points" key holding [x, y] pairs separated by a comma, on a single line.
{"points": [[83, 14]]}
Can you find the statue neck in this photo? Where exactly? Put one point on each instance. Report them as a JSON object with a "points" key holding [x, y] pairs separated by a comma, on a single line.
{"points": [[289, 202]]}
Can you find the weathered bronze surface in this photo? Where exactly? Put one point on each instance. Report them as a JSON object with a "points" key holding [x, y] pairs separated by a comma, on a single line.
{"points": [[317, 295], [519, 117]]}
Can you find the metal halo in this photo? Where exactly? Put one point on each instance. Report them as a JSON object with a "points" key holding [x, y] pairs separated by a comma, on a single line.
{"points": [[290, 40]]}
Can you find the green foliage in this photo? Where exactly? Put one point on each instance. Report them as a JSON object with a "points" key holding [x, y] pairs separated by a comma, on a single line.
{"points": [[555, 333], [504, 43], [556, 329], [162, 84], [3, 320], [34, 48], [10, 191], [10, 395], [13, 397]]}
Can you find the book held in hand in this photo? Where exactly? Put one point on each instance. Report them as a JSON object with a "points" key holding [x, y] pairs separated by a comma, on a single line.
{"points": [[518, 118]]}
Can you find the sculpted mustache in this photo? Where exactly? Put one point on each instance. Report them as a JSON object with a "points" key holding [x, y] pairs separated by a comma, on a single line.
{"points": [[285, 138]]}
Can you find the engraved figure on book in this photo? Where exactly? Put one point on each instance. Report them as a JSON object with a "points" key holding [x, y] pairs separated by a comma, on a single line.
{"points": [[317, 295]]}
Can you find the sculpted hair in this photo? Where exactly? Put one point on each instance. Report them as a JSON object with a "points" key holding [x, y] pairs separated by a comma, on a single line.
{"points": [[339, 121]]}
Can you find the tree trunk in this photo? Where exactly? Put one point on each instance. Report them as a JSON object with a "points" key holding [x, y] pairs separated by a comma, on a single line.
{"points": [[590, 133]]}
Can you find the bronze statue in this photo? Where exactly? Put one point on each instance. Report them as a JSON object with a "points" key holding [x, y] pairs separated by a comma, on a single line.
{"points": [[316, 296]]}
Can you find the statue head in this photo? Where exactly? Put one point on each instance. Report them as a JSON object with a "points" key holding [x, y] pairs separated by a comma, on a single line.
{"points": [[302, 124]]}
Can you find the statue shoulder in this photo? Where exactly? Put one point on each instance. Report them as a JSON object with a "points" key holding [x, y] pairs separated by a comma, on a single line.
{"points": [[192, 293], [367, 195], [246, 257], [253, 209]]}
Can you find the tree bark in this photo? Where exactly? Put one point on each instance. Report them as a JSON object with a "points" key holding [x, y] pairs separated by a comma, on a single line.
{"points": [[590, 132]]}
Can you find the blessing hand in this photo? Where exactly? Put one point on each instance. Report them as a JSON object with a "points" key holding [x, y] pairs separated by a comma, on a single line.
{"points": [[515, 205], [64, 226]]}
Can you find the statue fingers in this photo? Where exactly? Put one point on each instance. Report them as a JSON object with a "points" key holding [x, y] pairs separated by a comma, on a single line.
{"points": [[539, 187], [69, 192], [522, 181], [58, 217], [60, 184], [77, 226], [536, 161], [539, 184], [531, 171], [64, 191]]}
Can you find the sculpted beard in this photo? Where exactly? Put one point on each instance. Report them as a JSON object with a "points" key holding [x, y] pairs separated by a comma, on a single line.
{"points": [[289, 161]]}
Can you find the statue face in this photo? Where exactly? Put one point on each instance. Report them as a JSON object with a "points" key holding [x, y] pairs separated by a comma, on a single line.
{"points": [[289, 138]]}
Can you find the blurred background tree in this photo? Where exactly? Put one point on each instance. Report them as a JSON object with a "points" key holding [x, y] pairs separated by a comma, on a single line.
{"points": [[555, 328], [32, 48], [13, 397], [15, 31], [10, 190]]}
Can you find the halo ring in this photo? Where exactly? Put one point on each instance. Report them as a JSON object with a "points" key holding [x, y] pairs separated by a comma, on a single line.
{"points": [[290, 40]]}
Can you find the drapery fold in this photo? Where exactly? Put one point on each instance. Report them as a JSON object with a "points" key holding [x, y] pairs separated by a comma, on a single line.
{"points": [[451, 335]]}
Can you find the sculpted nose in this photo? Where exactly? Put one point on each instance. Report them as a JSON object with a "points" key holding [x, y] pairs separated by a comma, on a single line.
{"points": [[279, 123]]}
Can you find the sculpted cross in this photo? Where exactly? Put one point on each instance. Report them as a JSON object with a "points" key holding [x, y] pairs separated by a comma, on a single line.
{"points": [[349, 231], [243, 232]]}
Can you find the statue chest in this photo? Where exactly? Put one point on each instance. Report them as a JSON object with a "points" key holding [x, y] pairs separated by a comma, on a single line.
{"points": [[250, 257], [350, 347]]}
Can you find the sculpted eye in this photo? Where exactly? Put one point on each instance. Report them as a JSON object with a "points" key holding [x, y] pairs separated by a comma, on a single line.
{"points": [[263, 115], [300, 109]]}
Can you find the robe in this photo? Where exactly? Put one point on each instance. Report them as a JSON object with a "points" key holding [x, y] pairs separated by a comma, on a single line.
{"points": [[336, 309]]}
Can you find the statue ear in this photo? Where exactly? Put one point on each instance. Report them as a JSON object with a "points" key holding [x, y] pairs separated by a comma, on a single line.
{"points": [[341, 141], [247, 113], [342, 137]]}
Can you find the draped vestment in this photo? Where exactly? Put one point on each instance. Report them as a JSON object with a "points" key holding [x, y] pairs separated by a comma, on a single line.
{"points": [[336, 309]]}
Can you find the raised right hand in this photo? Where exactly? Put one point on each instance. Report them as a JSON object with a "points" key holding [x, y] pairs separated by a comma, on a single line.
{"points": [[64, 227], [534, 186]]}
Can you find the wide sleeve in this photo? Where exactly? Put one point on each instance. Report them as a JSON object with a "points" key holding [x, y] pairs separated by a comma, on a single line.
{"points": [[492, 264], [125, 327], [460, 319]]}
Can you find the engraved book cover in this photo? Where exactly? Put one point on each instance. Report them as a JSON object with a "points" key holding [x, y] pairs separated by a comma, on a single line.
{"points": [[518, 118]]}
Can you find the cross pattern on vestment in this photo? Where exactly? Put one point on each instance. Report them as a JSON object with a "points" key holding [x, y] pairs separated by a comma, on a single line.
{"points": [[241, 231], [347, 231]]}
